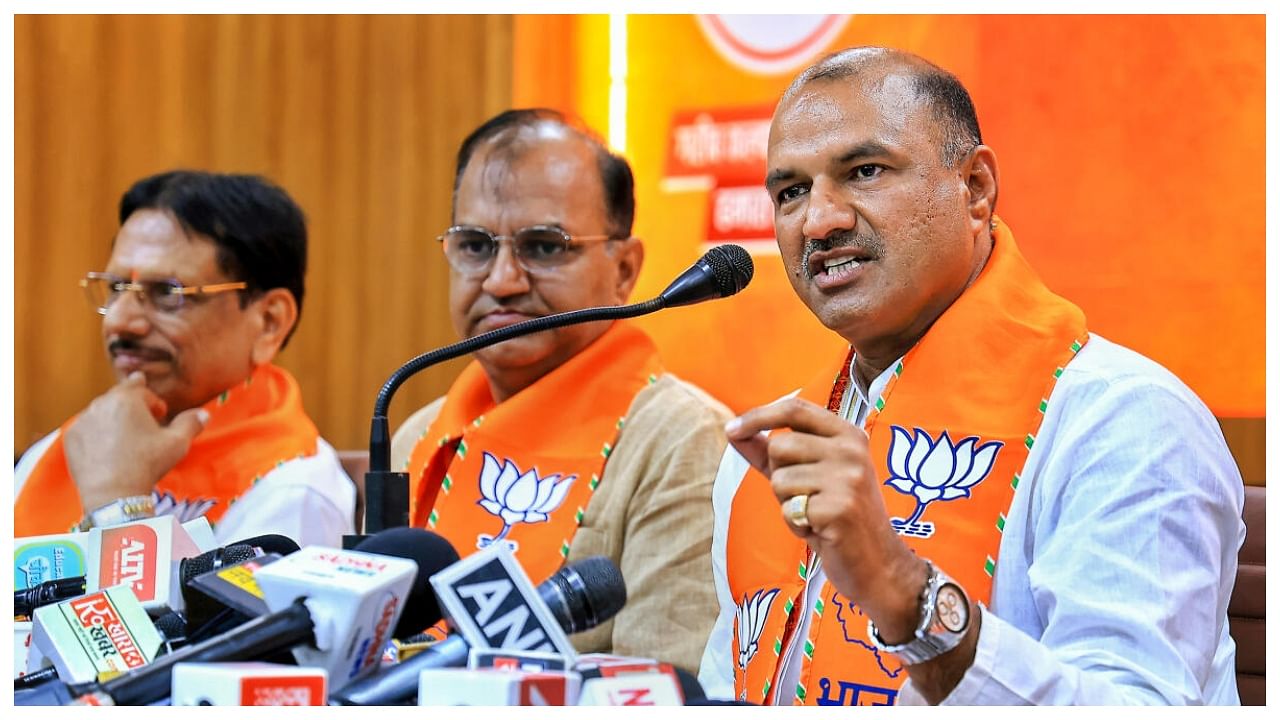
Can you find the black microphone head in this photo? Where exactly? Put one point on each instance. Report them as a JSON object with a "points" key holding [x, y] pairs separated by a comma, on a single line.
{"points": [[200, 608], [721, 272], [278, 544], [593, 592], [731, 267], [432, 553], [214, 559], [172, 626]]}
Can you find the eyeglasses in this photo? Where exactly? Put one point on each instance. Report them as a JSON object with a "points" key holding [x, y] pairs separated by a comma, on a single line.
{"points": [[168, 295], [537, 249]]}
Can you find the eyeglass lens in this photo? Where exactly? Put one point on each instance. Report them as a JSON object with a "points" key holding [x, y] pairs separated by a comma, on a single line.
{"points": [[536, 248], [164, 295]]}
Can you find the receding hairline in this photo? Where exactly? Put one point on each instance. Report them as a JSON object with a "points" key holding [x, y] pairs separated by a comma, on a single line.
{"points": [[507, 136], [512, 143], [856, 61], [931, 86]]}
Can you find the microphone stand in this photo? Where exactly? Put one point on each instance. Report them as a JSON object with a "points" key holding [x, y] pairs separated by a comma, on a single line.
{"points": [[722, 271], [387, 492]]}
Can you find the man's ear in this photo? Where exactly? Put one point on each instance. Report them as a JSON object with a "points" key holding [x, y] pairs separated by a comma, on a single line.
{"points": [[276, 312], [982, 179], [629, 255]]}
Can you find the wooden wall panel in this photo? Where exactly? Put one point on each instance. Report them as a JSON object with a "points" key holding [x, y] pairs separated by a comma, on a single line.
{"points": [[357, 117]]}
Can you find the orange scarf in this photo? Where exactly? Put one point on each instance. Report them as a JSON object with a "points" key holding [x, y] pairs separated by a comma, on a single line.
{"points": [[523, 471], [948, 438], [252, 428]]}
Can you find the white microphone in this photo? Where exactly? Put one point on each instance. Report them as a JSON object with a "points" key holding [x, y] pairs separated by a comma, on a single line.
{"points": [[144, 555], [21, 647], [528, 660], [490, 596], [492, 686], [492, 604], [41, 558], [334, 608], [101, 633], [248, 683], [355, 600], [631, 689]]}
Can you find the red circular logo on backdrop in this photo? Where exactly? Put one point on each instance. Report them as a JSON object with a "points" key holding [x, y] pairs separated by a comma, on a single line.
{"points": [[771, 44]]}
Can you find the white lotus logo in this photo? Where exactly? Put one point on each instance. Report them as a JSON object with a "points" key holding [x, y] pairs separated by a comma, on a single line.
{"points": [[932, 470], [751, 616], [184, 510], [518, 497]]}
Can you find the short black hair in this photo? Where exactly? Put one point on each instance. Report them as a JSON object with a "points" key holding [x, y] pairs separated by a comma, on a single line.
{"points": [[615, 173], [259, 231], [950, 102], [953, 111]]}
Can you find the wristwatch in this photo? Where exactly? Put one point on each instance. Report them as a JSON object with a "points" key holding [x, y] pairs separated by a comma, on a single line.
{"points": [[123, 510], [944, 618]]}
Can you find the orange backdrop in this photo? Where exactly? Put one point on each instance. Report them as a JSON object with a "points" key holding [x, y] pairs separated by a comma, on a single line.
{"points": [[1131, 152]]}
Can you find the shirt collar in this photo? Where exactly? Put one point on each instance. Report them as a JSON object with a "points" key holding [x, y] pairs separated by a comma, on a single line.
{"points": [[856, 400]]}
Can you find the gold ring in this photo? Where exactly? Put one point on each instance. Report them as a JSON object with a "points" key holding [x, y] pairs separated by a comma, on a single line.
{"points": [[796, 510]]}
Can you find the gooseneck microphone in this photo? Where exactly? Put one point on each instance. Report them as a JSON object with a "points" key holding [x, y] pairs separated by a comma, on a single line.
{"points": [[723, 271]]}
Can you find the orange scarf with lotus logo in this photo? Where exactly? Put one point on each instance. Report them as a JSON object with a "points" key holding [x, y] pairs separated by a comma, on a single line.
{"points": [[252, 428], [523, 471], [948, 437]]}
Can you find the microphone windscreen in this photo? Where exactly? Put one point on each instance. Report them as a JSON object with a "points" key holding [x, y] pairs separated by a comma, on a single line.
{"points": [[172, 626], [216, 558], [200, 608], [278, 544], [432, 553], [594, 590], [731, 267]]}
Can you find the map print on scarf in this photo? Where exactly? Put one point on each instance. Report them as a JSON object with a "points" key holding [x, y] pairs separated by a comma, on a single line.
{"points": [[517, 497], [931, 470], [858, 633]]}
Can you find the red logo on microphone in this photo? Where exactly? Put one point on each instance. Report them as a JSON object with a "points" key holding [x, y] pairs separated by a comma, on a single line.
{"points": [[282, 690], [632, 696], [544, 689], [380, 631], [129, 556], [107, 634]]}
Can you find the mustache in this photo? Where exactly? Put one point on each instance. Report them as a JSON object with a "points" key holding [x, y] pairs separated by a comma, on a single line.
{"points": [[868, 242], [131, 345]]}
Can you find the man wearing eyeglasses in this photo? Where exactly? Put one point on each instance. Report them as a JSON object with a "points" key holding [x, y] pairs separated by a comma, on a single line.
{"points": [[204, 286], [570, 442]]}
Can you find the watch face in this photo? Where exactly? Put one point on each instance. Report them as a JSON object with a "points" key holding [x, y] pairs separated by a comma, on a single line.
{"points": [[952, 608]]}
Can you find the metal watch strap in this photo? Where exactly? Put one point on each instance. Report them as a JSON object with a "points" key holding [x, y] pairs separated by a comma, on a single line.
{"points": [[122, 510], [931, 638]]}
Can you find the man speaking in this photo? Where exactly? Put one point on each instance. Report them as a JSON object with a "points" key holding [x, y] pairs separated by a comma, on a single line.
{"points": [[990, 504], [569, 442], [203, 288]]}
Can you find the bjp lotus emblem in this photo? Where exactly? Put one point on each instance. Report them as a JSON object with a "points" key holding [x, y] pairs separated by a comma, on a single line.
{"points": [[751, 616], [518, 497], [930, 470]]}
